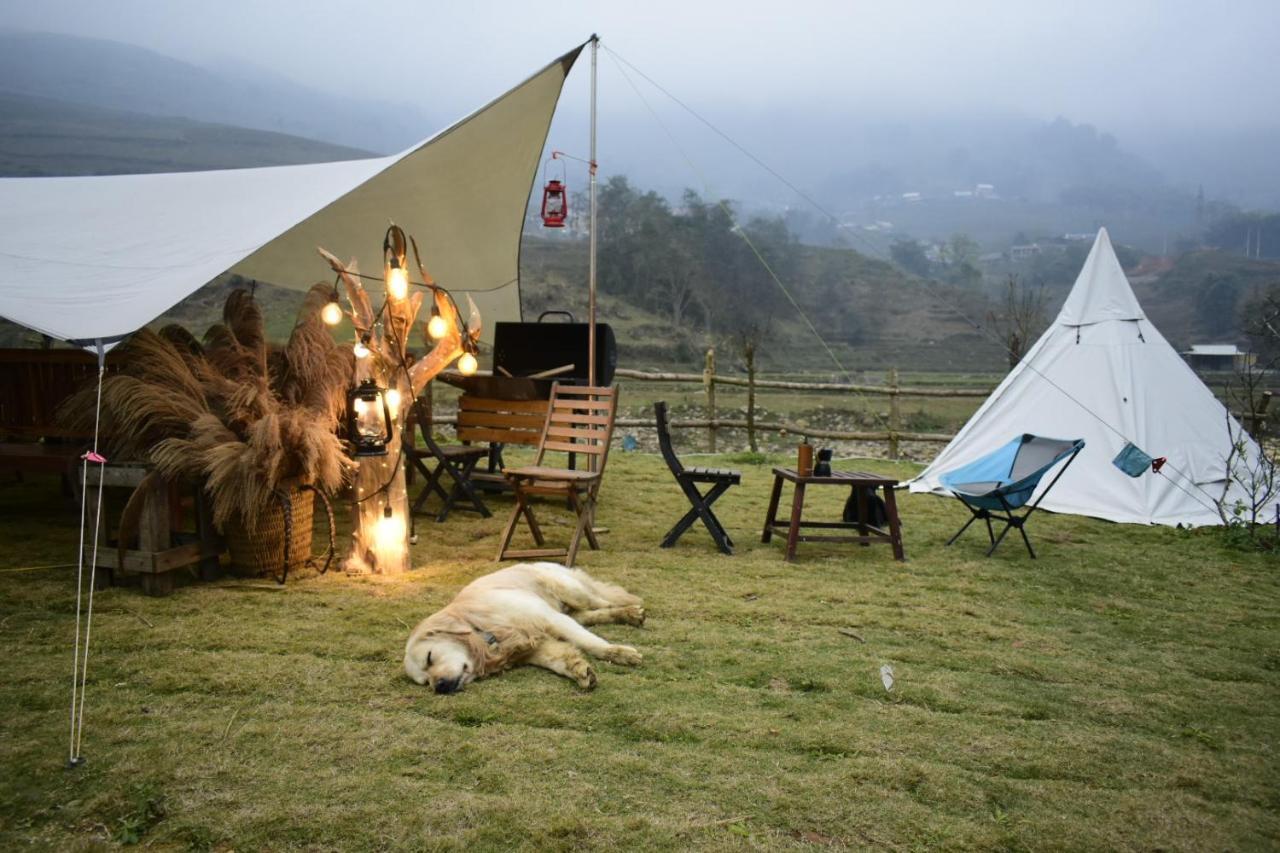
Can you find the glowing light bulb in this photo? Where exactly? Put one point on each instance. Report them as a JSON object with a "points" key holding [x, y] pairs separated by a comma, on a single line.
{"points": [[437, 327], [397, 283], [389, 532], [467, 364], [331, 313], [393, 400], [360, 350]]}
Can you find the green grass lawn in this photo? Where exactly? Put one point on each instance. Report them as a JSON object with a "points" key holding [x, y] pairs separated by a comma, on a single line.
{"points": [[1118, 693]]}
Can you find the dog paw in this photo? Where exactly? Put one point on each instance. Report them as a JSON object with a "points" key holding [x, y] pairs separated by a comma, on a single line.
{"points": [[633, 615], [624, 655], [585, 676]]}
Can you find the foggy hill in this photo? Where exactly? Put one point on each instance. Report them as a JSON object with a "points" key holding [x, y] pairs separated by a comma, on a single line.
{"points": [[42, 136], [1206, 296], [120, 76]]}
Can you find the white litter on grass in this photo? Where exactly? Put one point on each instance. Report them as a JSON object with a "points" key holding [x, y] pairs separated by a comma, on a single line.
{"points": [[886, 675]]}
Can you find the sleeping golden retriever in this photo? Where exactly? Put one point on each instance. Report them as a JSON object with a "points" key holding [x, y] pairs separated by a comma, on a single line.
{"points": [[530, 613]]}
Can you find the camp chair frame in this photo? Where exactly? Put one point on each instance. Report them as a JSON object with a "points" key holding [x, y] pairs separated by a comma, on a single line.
{"points": [[1010, 517], [458, 461], [580, 420], [719, 478]]}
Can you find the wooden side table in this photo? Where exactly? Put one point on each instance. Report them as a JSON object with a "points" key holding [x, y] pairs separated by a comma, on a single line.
{"points": [[862, 484]]}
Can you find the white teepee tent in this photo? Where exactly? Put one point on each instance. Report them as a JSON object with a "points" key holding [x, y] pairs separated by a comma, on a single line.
{"points": [[1104, 373]]}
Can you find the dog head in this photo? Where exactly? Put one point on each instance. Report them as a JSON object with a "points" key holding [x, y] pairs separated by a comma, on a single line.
{"points": [[441, 660]]}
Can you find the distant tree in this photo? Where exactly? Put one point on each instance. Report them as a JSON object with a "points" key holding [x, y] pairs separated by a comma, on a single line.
{"points": [[1255, 235], [962, 249], [1216, 304], [1020, 318], [1262, 326], [910, 255]]}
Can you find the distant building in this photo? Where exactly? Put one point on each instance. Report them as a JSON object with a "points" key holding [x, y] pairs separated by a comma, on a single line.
{"points": [[910, 197], [1018, 253], [985, 191], [1218, 357], [963, 193]]}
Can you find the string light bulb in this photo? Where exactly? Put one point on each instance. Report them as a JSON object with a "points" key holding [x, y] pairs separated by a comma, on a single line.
{"points": [[467, 364], [397, 281], [436, 326], [361, 348], [331, 313], [389, 532], [393, 400]]}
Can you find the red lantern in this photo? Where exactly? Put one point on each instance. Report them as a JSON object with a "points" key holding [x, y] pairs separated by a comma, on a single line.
{"points": [[555, 204]]}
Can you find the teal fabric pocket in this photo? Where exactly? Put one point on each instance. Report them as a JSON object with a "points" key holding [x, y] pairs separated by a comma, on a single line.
{"points": [[1132, 461]]}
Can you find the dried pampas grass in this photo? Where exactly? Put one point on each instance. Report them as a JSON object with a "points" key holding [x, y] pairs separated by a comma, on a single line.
{"points": [[243, 416]]}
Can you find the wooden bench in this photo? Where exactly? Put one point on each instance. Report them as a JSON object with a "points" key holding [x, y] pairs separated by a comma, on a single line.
{"points": [[163, 548], [498, 423]]}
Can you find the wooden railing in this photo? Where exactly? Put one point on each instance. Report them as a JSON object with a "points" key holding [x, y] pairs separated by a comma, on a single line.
{"points": [[746, 419], [892, 435]]}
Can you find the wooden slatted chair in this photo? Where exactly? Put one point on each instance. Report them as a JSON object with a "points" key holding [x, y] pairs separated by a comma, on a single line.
{"points": [[579, 421], [720, 479]]}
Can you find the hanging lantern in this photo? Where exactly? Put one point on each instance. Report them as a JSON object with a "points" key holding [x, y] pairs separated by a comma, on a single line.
{"points": [[369, 422], [555, 198], [555, 205]]}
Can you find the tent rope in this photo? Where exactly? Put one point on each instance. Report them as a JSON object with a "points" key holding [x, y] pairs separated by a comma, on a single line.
{"points": [[80, 666], [874, 249], [1212, 507], [742, 232]]}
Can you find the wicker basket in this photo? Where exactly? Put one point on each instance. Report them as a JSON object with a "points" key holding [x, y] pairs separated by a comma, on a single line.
{"points": [[262, 550]]}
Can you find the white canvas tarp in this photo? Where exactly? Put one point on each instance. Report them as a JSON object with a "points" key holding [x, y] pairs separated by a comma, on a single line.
{"points": [[1104, 373], [96, 258]]}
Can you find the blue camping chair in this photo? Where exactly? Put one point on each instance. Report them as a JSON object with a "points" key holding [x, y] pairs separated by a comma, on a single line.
{"points": [[1004, 480]]}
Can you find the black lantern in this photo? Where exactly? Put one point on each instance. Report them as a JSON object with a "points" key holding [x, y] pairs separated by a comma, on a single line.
{"points": [[369, 425]]}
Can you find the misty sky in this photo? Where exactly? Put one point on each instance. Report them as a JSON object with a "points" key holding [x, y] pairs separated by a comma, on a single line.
{"points": [[1114, 64]]}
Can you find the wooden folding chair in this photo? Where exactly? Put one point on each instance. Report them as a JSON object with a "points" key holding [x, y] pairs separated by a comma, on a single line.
{"points": [[579, 421], [719, 480]]}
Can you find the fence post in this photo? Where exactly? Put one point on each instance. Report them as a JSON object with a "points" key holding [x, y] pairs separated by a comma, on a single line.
{"points": [[749, 350], [709, 381], [895, 413]]}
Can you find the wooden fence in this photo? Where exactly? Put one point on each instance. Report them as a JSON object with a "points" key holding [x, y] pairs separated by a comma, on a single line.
{"points": [[892, 435]]}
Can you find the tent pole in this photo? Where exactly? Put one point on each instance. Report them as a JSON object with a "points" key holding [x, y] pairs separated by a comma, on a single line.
{"points": [[591, 265]]}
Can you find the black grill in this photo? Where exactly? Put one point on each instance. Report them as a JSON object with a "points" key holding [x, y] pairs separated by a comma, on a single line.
{"points": [[523, 349]]}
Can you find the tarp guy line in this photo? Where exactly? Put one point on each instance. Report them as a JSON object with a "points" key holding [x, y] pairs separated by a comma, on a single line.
{"points": [[945, 301], [747, 239]]}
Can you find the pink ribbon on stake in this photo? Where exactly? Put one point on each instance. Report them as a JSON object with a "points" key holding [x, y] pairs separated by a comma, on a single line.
{"points": [[94, 456]]}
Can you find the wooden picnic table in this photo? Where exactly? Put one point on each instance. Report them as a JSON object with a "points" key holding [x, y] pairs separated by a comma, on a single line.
{"points": [[862, 486]]}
